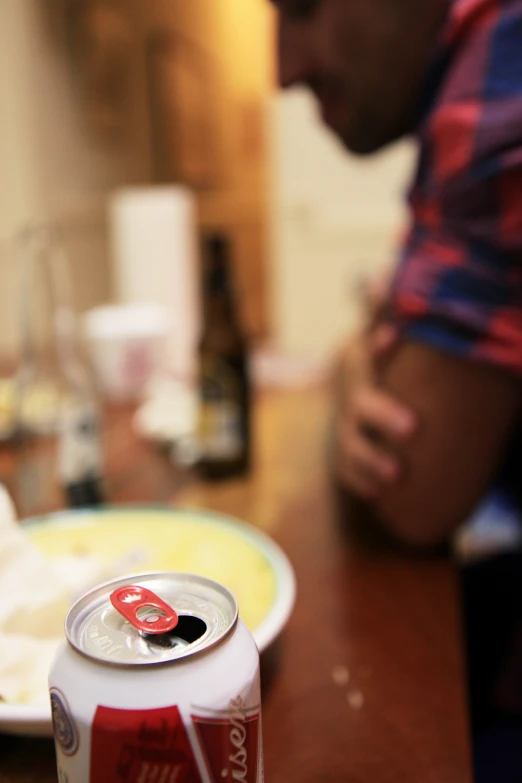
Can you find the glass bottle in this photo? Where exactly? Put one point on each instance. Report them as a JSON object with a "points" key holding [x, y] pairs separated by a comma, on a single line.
{"points": [[224, 424], [57, 432]]}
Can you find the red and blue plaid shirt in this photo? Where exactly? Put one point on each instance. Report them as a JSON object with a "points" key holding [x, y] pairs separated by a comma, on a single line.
{"points": [[459, 283], [458, 286]]}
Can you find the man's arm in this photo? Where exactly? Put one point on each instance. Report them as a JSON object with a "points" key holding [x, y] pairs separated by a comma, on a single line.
{"points": [[466, 413]]}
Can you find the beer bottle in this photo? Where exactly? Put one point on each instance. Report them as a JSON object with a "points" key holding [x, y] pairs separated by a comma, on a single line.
{"points": [[224, 431]]}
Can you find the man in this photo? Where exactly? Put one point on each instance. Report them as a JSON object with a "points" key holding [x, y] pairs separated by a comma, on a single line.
{"points": [[424, 429]]}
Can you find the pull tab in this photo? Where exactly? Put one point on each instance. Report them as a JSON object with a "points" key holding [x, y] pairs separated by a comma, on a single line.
{"points": [[130, 599]]}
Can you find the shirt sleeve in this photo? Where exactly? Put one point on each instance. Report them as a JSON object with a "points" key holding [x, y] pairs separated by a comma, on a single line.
{"points": [[459, 283]]}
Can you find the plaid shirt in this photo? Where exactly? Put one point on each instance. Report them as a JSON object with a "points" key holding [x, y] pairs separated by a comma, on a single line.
{"points": [[459, 282]]}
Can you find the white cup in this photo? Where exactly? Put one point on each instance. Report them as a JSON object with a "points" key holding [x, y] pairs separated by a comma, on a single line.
{"points": [[126, 345]]}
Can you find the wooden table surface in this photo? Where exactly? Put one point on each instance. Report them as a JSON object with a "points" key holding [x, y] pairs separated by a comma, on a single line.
{"points": [[366, 685]]}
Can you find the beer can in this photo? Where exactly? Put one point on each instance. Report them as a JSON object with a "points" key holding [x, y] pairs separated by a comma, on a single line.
{"points": [[157, 682]]}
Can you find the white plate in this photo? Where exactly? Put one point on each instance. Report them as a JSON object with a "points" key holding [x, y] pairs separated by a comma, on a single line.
{"points": [[35, 720]]}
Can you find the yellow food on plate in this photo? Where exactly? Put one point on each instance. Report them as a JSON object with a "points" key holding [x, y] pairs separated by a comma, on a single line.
{"points": [[47, 564], [137, 541]]}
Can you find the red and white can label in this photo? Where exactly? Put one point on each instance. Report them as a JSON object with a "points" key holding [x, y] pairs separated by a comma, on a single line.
{"points": [[141, 746], [231, 743]]}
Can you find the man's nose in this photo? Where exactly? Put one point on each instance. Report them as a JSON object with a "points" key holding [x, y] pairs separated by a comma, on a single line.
{"points": [[292, 55]]}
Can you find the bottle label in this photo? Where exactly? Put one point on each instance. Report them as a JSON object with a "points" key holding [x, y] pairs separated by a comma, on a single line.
{"points": [[221, 429], [79, 455], [220, 433]]}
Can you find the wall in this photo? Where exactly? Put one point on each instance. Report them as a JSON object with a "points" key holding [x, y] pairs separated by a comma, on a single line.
{"points": [[53, 166], [244, 35], [335, 219], [237, 34]]}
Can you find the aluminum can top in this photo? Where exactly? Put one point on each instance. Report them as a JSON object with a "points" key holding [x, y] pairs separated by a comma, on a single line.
{"points": [[152, 618]]}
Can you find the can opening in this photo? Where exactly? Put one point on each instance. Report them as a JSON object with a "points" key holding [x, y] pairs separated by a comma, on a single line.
{"points": [[188, 630]]}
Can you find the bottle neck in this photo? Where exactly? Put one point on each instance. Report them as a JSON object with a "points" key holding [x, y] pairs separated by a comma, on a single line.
{"points": [[219, 306], [219, 303]]}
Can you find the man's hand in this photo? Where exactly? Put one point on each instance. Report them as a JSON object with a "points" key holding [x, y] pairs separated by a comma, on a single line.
{"points": [[424, 475], [369, 423]]}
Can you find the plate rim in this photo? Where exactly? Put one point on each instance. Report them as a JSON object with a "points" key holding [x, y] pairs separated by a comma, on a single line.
{"points": [[13, 717]]}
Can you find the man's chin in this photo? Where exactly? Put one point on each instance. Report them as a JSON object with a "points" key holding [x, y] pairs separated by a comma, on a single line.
{"points": [[361, 138], [361, 141]]}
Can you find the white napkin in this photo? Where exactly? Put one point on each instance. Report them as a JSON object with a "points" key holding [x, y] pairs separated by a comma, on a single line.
{"points": [[33, 599], [33, 605]]}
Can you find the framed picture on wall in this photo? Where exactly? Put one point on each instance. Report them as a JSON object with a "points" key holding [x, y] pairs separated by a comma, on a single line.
{"points": [[183, 86]]}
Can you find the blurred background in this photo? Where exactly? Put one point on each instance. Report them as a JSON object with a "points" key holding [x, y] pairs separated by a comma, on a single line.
{"points": [[99, 96]]}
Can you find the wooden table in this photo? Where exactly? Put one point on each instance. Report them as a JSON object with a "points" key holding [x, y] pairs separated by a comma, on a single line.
{"points": [[367, 683]]}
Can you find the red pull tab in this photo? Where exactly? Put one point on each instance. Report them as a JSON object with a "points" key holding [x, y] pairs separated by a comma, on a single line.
{"points": [[130, 599]]}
